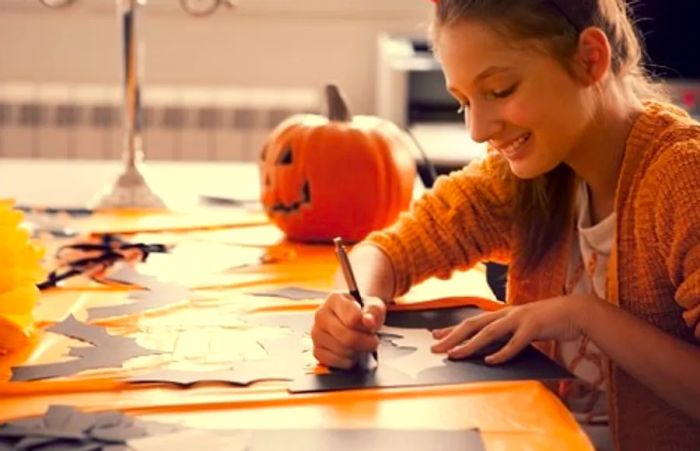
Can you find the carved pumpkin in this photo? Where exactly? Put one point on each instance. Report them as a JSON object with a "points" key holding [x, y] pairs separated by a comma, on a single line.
{"points": [[339, 175]]}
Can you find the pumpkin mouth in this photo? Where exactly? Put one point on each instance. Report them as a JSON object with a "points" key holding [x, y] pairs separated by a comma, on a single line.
{"points": [[279, 207]]}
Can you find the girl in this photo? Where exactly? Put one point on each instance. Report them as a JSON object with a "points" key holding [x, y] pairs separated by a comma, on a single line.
{"points": [[591, 194]]}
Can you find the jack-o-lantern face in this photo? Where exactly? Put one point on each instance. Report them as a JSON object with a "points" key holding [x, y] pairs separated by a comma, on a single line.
{"points": [[327, 177], [283, 203]]}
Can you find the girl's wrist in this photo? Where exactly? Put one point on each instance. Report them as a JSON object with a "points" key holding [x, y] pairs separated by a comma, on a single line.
{"points": [[587, 312]]}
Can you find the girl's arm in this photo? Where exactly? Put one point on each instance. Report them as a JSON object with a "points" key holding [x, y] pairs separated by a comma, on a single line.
{"points": [[373, 272], [667, 365]]}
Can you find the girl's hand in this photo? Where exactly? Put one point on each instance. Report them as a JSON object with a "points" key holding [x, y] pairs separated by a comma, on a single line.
{"points": [[343, 331], [550, 319]]}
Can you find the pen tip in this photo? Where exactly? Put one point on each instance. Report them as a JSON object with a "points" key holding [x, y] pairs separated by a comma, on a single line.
{"points": [[338, 241]]}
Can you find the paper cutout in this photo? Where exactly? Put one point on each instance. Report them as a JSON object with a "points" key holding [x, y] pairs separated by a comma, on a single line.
{"points": [[64, 427], [299, 323], [286, 358], [194, 439], [417, 341], [315, 439], [366, 440], [282, 348], [529, 364], [242, 374], [107, 351], [418, 356], [293, 293], [155, 294]]}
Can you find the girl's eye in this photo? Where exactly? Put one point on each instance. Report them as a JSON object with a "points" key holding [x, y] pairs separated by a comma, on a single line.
{"points": [[505, 93]]}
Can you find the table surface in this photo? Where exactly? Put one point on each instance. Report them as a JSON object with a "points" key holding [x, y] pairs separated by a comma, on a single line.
{"points": [[510, 415], [76, 182]]}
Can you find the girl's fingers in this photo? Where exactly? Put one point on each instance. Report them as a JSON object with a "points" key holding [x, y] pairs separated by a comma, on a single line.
{"points": [[331, 359], [442, 333], [346, 309], [521, 338], [464, 330], [331, 332], [325, 340], [373, 314], [489, 334]]}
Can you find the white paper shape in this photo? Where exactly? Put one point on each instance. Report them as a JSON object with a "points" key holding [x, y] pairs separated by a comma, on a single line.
{"points": [[419, 360]]}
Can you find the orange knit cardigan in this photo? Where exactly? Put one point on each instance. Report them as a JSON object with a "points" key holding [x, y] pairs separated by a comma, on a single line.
{"points": [[654, 269]]}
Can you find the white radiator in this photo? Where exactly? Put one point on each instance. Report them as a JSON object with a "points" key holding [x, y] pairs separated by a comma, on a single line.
{"points": [[180, 122]]}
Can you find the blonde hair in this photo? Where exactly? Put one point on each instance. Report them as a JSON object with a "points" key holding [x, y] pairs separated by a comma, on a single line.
{"points": [[543, 206]]}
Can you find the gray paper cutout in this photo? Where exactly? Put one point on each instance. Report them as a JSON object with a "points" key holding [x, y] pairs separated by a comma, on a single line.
{"points": [[59, 418], [71, 327], [13, 431], [28, 423], [108, 351], [67, 445], [119, 433], [64, 427], [108, 419], [293, 293], [155, 294], [366, 440], [210, 440], [33, 442]]}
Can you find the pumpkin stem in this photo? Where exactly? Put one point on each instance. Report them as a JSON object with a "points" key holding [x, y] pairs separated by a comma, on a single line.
{"points": [[337, 107]]}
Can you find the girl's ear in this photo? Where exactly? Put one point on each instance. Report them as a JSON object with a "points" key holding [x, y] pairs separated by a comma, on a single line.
{"points": [[593, 58]]}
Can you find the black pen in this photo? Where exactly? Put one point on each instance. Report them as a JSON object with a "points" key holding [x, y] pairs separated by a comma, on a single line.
{"points": [[349, 276]]}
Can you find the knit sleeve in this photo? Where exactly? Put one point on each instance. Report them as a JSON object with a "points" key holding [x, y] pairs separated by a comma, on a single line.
{"points": [[677, 226], [464, 219]]}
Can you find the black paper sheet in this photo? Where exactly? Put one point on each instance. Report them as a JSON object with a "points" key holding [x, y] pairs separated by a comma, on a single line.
{"points": [[529, 364]]}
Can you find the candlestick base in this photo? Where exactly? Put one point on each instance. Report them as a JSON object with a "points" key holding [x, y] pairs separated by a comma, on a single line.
{"points": [[130, 190]]}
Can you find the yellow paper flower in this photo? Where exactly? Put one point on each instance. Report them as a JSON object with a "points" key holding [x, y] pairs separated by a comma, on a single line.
{"points": [[20, 270]]}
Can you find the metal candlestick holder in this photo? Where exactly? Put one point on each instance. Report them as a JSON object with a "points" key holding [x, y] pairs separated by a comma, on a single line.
{"points": [[130, 190]]}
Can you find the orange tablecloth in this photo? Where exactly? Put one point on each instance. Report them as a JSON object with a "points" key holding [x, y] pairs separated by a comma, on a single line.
{"points": [[510, 415]]}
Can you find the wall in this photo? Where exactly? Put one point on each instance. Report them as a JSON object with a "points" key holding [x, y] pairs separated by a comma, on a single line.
{"points": [[273, 43]]}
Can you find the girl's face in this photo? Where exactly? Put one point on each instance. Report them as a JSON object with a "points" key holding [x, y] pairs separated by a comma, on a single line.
{"points": [[518, 99]]}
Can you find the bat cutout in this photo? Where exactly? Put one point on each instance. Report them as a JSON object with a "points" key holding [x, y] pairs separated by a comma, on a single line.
{"points": [[418, 341], [241, 374], [107, 351], [65, 427], [155, 295]]}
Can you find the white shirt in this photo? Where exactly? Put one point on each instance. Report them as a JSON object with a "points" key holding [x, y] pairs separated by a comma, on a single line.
{"points": [[587, 274]]}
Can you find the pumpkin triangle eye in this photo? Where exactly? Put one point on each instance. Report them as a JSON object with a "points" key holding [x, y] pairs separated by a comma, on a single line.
{"points": [[285, 157], [306, 192]]}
